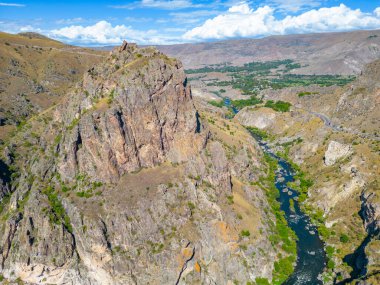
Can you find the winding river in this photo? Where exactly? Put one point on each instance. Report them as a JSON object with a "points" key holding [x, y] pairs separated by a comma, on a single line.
{"points": [[311, 257]]}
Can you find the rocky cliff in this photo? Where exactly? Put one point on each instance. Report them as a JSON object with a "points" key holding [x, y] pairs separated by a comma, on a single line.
{"points": [[123, 183], [133, 111]]}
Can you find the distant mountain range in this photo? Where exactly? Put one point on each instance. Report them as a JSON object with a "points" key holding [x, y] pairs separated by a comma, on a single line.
{"points": [[327, 53]]}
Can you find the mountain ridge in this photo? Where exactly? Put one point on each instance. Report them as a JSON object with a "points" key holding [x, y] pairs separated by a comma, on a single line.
{"points": [[322, 53], [124, 182]]}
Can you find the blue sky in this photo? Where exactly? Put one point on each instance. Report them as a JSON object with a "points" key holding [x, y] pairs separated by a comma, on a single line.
{"points": [[178, 21]]}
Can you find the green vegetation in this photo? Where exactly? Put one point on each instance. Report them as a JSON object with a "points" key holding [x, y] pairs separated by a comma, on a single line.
{"points": [[57, 214], [4, 202], [305, 93], [251, 85], [58, 139], [262, 281], [304, 183], [84, 194], [191, 205], [344, 238], [330, 264], [111, 96], [330, 251], [316, 215], [258, 133], [245, 233], [289, 80], [156, 247], [256, 76], [279, 106], [240, 104], [252, 67], [215, 103], [73, 124], [281, 232], [283, 269]]}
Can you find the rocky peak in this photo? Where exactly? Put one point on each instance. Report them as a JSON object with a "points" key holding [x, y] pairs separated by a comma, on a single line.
{"points": [[124, 46], [134, 110]]}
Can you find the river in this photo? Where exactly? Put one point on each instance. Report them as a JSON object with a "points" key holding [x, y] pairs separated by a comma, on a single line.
{"points": [[311, 256]]}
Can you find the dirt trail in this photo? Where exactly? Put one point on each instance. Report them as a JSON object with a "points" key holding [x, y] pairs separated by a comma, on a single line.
{"points": [[64, 49], [328, 123]]}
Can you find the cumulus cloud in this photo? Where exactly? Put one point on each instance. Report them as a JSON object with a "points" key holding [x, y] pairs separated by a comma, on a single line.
{"points": [[242, 21], [11, 4], [29, 28], [104, 33], [377, 11]]}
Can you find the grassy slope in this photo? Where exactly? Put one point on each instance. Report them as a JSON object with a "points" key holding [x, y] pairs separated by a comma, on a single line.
{"points": [[29, 62]]}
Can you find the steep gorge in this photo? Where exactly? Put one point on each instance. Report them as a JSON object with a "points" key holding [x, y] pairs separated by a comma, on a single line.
{"points": [[340, 155]]}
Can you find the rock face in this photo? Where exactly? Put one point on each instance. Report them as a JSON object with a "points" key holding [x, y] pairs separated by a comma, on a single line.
{"points": [[150, 117], [336, 151], [261, 120], [371, 212], [122, 184]]}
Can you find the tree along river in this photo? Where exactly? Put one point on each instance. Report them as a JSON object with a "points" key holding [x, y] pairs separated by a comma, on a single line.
{"points": [[311, 257]]}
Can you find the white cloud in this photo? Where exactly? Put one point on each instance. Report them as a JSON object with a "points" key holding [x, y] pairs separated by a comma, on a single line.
{"points": [[104, 33], [12, 5], [17, 26], [242, 8], [29, 28], [377, 11], [242, 21]]}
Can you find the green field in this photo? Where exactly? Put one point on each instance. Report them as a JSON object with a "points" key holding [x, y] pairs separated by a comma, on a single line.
{"points": [[255, 76]]}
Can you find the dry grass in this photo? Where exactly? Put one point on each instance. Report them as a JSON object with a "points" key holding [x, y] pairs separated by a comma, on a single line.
{"points": [[39, 61], [251, 218]]}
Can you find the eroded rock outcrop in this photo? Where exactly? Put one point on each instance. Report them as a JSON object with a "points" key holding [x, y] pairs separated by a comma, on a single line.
{"points": [[133, 111], [123, 184], [336, 151]]}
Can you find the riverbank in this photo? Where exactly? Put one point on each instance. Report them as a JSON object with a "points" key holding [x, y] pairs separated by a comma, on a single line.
{"points": [[335, 198], [311, 258]]}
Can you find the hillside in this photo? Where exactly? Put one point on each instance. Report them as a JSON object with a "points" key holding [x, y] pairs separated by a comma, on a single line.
{"points": [[327, 53], [333, 136], [128, 180], [353, 107], [129, 167], [35, 72]]}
